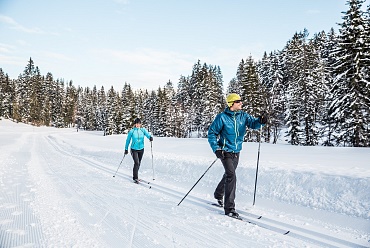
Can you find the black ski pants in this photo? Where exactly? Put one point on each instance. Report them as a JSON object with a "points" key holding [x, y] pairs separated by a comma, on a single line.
{"points": [[137, 155], [227, 185]]}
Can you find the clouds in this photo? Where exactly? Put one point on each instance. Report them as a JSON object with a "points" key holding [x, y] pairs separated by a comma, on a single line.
{"points": [[144, 67], [16, 26]]}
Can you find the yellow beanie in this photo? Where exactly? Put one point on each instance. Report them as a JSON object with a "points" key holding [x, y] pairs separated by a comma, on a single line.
{"points": [[231, 98]]}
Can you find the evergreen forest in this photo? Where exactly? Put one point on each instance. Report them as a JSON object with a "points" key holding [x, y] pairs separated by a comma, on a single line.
{"points": [[315, 91]]}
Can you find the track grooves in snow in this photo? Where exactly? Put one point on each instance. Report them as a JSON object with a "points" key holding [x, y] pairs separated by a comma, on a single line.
{"points": [[268, 223], [20, 226]]}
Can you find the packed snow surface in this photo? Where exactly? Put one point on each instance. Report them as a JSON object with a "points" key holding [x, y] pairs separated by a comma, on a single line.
{"points": [[57, 190]]}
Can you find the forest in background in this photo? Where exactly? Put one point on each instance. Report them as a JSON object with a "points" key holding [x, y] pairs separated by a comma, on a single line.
{"points": [[316, 91]]}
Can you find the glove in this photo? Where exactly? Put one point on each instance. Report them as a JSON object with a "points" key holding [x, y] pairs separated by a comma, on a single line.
{"points": [[263, 118], [126, 152], [151, 138], [220, 154]]}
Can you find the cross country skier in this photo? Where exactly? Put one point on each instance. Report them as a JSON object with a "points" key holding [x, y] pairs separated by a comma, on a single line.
{"points": [[230, 127], [136, 137]]}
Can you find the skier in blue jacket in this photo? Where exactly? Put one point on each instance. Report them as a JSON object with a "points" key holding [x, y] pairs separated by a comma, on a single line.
{"points": [[226, 136], [136, 137]]}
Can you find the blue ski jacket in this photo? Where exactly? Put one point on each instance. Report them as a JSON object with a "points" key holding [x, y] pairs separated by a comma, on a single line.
{"points": [[230, 127], [136, 137]]}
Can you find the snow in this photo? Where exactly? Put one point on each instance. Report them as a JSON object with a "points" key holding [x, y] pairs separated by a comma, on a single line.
{"points": [[57, 190]]}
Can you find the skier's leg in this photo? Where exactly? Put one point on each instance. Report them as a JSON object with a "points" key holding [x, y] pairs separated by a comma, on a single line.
{"points": [[135, 170], [230, 163], [140, 154], [220, 189]]}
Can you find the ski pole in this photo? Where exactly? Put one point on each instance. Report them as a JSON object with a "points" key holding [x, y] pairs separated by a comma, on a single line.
{"points": [[258, 158], [197, 181], [119, 165], [151, 149]]}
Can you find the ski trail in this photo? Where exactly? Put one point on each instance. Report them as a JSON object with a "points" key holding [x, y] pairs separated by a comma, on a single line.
{"points": [[20, 226], [134, 228], [55, 214]]}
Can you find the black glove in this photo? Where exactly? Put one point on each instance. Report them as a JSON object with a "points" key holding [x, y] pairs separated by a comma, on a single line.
{"points": [[126, 152], [263, 118], [220, 154], [151, 138]]}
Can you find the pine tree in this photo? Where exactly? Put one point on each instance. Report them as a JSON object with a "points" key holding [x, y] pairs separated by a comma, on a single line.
{"points": [[233, 86], [329, 61], [253, 93], [102, 110], [148, 111], [23, 92], [36, 97], [350, 90], [295, 81], [170, 121], [70, 105], [128, 107], [47, 85], [111, 111], [214, 101], [270, 78], [7, 94]]}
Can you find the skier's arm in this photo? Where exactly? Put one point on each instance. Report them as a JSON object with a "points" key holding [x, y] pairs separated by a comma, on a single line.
{"points": [[128, 139], [213, 132], [146, 133], [253, 122]]}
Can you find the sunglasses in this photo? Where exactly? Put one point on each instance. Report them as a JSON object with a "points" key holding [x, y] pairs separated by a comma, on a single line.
{"points": [[237, 101]]}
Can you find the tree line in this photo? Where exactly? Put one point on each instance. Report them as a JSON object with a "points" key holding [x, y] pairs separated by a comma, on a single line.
{"points": [[316, 91]]}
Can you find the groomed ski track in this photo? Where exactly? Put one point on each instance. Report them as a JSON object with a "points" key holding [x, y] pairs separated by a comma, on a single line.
{"points": [[293, 231]]}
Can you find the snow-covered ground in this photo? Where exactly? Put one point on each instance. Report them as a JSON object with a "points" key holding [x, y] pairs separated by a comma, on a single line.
{"points": [[57, 190]]}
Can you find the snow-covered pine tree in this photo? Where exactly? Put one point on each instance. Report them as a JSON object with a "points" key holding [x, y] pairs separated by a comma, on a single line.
{"points": [[214, 100], [276, 105], [47, 104], [70, 105], [57, 93], [324, 44], [101, 117], [155, 113], [148, 110], [233, 86], [351, 101], [6, 95], [170, 121], [181, 102], [253, 94], [295, 77], [111, 111], [36, 96], [138, 105], [366, 72], [86, 110], [23, 93], [128, 107], [118, 115], [198, 89]]}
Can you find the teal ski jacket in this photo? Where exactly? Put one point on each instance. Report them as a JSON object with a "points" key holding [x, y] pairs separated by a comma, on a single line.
{"points": [[230, 127], [136, 137]]}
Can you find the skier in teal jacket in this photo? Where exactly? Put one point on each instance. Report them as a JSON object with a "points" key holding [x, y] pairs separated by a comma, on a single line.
{"points": [[226, 136], [136, 137]]}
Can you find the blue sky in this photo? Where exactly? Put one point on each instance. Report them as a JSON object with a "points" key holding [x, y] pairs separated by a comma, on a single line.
{"points": [[148, 42]]}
